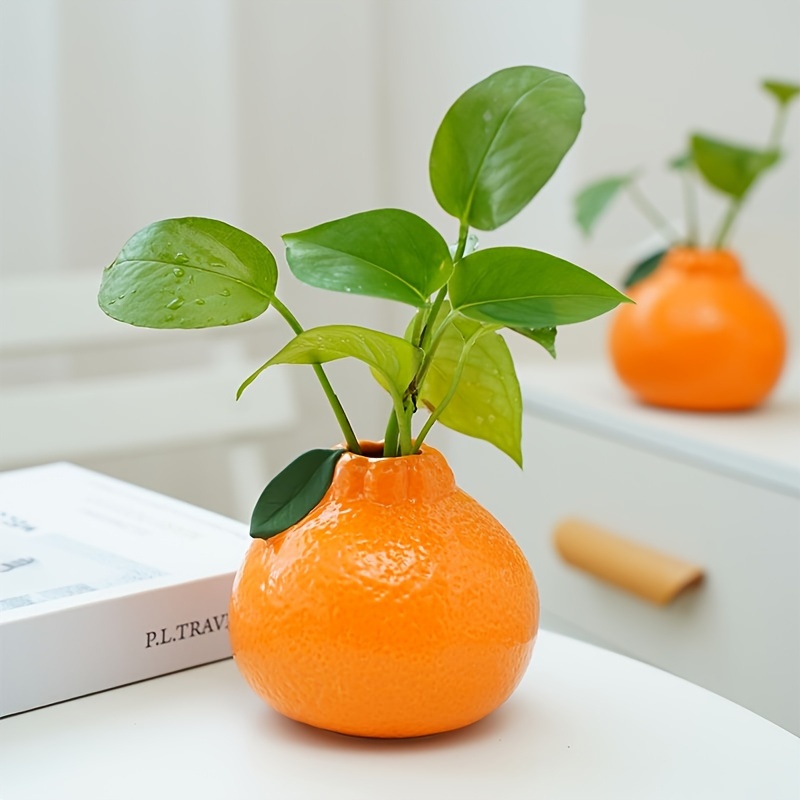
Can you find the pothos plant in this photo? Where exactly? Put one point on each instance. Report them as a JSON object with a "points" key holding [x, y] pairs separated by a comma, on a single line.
{"points": [[496, 147], [730, 169]]}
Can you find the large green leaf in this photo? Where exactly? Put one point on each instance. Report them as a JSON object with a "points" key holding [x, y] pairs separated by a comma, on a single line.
{"points": [[293, 492], [524, 288], [730, 168], [783, 91], [189, 273], [394, 358], [385, 253], [487, 403], [501, 141], [592, 201]]}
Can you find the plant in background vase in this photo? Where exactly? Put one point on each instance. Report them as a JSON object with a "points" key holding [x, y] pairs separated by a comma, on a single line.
{"points": [[377, 598], [700, 336]]}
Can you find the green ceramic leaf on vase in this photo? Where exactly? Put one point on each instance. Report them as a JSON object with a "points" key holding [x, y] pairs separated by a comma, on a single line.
{"points": [[487, 403], [189, 273], [783, 91], [730, 168], [592, 201], [386, 253], [644, 268], [522, 288], [394, 358], [293, 493], [546, 337], [501, 141]]}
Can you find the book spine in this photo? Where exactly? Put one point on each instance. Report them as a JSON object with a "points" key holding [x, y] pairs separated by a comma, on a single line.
{"points": [[74, 652]]}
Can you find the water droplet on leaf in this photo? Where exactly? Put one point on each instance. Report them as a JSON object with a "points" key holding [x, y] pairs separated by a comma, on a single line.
{"points": [[199, 302], [182, 258], [226, 292], [175, 303], [178, 272]]}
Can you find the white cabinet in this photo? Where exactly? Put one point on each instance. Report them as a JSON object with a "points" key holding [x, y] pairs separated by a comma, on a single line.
{"points": [[721, 491]]}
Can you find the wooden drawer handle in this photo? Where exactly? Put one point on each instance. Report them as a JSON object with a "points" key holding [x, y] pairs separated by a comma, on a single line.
{"points": [[638, 569]]}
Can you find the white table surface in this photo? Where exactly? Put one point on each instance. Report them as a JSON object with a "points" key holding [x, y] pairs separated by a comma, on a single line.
{"points": [[585, 723]]}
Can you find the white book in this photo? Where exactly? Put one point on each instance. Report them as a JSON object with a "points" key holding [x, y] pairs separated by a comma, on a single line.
{"points": [[103, 583]]}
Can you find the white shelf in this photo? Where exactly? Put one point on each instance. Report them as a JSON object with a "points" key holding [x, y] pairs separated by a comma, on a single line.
{"points": [[761, 446]]}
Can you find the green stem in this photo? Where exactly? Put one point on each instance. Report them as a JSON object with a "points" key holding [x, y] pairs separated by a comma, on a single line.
{"points": [[656, 218], [427, 332], [338, 410], [778, 127], [403, 415], [390, 438], [419, 321], [690, 206], [431, 350], [727, 222], [436, 413], [427, 339], [463, 233], [430, 337]]}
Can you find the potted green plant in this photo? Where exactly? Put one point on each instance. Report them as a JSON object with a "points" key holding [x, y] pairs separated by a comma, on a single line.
{"points": [[700, 336], [377, 598]]}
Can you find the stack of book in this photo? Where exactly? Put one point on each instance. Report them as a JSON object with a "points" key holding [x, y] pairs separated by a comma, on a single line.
{"points": [[103, 583]]}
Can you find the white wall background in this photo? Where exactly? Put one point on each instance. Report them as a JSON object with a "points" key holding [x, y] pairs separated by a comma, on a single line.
{"points": [[280, 114]]}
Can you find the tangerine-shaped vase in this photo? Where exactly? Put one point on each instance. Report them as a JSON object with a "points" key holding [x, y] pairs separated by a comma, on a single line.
{"points": [[398, 607], [700, 336]]}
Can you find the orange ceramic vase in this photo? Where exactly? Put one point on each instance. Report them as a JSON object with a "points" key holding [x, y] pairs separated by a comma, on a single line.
{"points": [[700, 337], [398, 607]]}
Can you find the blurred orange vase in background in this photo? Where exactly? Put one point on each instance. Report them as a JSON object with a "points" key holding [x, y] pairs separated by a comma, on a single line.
{"points": [[700, 337]]}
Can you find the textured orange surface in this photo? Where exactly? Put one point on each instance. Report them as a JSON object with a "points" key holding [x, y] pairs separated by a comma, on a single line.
{"points": [[397, 607], [700, 337]]}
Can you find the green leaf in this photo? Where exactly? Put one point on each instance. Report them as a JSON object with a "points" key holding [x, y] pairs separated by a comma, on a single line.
{"points": [[783, 91], [524, 288], [293, 493], [189, 273], [730, 168], [394, 358], [385, 253], [592, 201], [501, 141], [487, 403], [644, 268], [546, 337]]}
